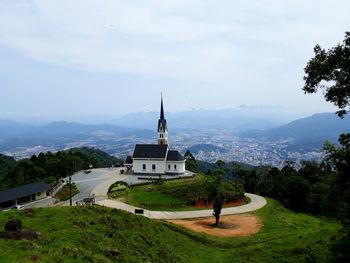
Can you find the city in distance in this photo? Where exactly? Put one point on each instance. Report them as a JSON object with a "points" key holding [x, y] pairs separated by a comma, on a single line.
{"points": [[245, 136]]}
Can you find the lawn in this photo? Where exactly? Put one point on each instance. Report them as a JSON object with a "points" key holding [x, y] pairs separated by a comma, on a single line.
{"points": [[97, 234], [174, 195]]}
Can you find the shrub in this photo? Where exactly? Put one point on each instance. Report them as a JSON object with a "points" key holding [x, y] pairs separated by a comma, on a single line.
{"points": [[13, 225]]}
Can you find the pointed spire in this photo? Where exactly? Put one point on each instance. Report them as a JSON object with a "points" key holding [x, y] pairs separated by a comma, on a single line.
{"points": [[161, 107]]}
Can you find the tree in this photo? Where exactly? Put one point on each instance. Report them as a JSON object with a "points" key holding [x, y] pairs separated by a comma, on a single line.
{"points": [[191, 162], [216, 195], [339, 159], [330, 71], [220, 163]]}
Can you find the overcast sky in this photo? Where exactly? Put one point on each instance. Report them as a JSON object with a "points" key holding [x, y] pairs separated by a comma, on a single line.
{"points": [[61, 58]]}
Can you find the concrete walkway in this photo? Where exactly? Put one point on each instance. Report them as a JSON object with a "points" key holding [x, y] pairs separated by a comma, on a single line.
{"points": [[256, 202], [100, 191]]}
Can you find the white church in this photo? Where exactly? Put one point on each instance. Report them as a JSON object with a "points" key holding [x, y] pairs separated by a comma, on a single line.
{"points": [[156, 159]]}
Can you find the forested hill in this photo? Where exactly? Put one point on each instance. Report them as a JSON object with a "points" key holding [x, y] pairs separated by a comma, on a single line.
{"points": [[103, 159], [50, 167]]}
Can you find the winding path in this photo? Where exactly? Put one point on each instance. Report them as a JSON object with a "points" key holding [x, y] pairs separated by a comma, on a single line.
{"points": [[256, 202]]}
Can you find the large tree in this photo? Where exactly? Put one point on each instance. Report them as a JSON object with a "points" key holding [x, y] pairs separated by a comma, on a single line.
{"points": [[330, 71]]}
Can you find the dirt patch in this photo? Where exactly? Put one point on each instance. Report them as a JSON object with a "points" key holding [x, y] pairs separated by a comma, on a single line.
{"points": [[229, 226]]}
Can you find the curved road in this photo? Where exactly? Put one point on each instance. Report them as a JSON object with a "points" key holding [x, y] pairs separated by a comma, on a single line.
{"points": [[99, 180], [256, 202]]}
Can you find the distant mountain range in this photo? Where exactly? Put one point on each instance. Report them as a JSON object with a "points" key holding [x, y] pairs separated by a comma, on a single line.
{"points": [[237, 119], [59, 134], [302, 135], [307, 133]]}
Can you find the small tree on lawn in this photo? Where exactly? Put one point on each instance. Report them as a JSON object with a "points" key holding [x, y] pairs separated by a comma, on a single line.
{"points": [[216, 195]]}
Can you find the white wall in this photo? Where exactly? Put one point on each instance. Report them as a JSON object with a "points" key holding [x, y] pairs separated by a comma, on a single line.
{"points": [[180, 167], [160, 166]]}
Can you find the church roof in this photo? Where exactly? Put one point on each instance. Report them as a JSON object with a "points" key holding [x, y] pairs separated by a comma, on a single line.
{"points": [[155, 151], [174, 156], [128, 160]]}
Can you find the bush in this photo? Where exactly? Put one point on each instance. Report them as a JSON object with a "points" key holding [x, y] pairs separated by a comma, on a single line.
{"points": [[13, 225], [118, 186], [63, 194]]}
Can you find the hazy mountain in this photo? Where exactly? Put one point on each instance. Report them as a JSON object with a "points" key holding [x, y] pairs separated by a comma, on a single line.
{"points": [[241, 118], [59, 134], [10, 127], [307, 133]]}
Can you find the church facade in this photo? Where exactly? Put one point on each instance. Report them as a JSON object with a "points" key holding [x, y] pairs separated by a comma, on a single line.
{"points": [[156, 159]]}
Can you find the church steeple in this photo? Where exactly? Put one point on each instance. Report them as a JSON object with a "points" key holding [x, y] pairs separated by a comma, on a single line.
{"points": [[162, 126], [161, 108]]}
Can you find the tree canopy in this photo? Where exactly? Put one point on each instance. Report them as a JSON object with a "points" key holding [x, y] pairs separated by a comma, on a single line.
{"points": [[330, 71]]}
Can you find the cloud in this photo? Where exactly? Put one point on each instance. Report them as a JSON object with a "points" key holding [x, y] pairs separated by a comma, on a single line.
{"points": [[245, 51], [184, 39]]}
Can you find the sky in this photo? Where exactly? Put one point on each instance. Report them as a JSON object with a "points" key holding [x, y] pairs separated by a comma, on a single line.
{"points": [[109, 58]]}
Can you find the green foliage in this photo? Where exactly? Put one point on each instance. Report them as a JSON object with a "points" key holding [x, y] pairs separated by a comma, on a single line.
{"points": [[6, 165], [118, 186], [191, 162], [97, 234], [98, 157], [331, 67], [50, 167], [64, 193], [319, 188]]}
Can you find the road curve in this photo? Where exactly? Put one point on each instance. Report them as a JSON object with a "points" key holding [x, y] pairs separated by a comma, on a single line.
{"points": [[256, 202]]}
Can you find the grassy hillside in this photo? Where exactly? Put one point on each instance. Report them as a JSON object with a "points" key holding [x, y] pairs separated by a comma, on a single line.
{"points": [[96, 234], [175, 195]]}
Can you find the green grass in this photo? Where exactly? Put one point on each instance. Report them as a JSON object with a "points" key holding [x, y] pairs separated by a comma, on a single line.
{"points": [[170, 196], [87, 234], [119, 188]]}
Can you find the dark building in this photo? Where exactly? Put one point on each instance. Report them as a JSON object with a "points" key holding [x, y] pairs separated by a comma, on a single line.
{"points": [[23, 194]]}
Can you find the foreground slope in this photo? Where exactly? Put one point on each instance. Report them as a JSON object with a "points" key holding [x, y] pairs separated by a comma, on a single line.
{"points": [[97, 234]]}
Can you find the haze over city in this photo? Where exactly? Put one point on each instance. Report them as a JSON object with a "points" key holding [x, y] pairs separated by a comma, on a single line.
{"points": [[110, 58]]}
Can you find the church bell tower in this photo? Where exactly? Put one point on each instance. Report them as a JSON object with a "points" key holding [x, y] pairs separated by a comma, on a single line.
{"points": [[162, 126]]}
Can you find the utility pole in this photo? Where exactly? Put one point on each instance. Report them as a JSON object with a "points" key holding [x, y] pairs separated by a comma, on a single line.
{"points": [[70, 183], [70, 190]]}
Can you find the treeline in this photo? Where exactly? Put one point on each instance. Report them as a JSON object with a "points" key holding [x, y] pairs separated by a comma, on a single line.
{"points": [[49, 167], [318, 188], [103, 159]]}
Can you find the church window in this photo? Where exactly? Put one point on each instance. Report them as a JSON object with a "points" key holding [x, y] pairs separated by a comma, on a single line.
{"points": [[168, 166], [153, 167], [143, 167], [174, 166]]}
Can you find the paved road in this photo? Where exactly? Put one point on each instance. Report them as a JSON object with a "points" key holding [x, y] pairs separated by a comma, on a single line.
{"points": [[97, 182], [256, 202]]}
